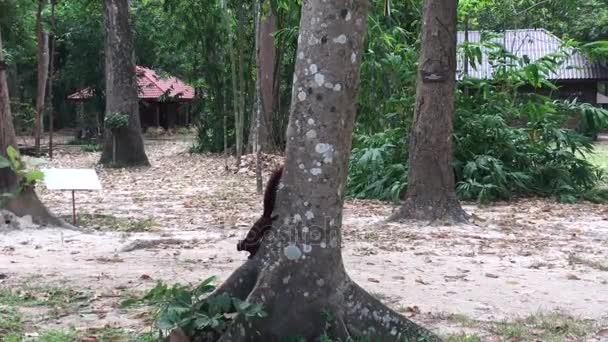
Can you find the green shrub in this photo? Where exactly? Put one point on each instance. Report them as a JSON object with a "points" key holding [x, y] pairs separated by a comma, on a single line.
{"points": [[507, 142], [114, 121], [91, 148], [195, 311]]}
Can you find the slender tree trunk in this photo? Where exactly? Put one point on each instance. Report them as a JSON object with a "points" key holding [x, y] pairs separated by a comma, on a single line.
{"points": [[43, 69], [298, 273], [261, 130], [235, 94], [466, 58], [266, 56], [431, 191], [241, 108], [121, 87], [26, 201], [52, 75]]}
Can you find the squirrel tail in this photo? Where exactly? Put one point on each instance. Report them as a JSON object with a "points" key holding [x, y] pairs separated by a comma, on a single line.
{"points": [[270, 195]]}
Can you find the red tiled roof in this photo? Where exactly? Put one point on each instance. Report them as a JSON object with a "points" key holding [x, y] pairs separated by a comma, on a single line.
{"points": [[151, 86]]}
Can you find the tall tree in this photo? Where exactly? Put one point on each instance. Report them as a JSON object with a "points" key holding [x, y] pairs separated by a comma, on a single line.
{"points": [[267, 62], [298, 272], [43, 71], [53, 44], [431, 191], [123, 145], [240, 120], [26, 201]]}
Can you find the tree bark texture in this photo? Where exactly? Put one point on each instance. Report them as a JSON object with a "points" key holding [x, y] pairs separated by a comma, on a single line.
{"points": [[42, 75], [431, 191], [266, 63], [298, 272], [121, 87]]}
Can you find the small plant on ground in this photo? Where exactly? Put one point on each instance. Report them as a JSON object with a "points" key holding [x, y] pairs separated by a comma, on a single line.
{"points": [[11, 325], [115, 122], [195, 311], [554, 326], [110, 222], [26, 177], [91, 148]]}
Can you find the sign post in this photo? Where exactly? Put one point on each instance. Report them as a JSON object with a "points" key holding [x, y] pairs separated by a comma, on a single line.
{"points": [[72, 180]]}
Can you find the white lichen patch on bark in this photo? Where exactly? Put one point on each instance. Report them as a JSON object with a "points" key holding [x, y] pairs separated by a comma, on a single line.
{"points": [[309, 215], [302, 96], [313, 68], [353, 57], [312, 134], [337, 87], [341, 39], [311, 121], [326, 150], [319, 79], [307, 248], [292, 252], [316, 171]]}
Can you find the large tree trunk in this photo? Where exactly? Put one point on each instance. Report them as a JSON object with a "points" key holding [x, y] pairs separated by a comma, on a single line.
{"points": [[26, 202], [431, 191], [298, 272], [266, 53], [121, 88], [43, 69]]}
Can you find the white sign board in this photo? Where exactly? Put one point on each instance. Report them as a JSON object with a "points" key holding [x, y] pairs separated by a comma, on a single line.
{"points": [[71, 179]]}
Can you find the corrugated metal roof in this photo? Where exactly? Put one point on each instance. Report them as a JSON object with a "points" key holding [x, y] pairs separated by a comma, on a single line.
{"points": [[151, 86], [536, 43]]}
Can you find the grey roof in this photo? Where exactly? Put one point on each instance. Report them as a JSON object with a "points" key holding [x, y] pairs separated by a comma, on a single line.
{"points": [[536, 43]]}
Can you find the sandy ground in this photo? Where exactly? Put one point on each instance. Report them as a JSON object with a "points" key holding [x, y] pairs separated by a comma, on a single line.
{"points": [[515, 260]]}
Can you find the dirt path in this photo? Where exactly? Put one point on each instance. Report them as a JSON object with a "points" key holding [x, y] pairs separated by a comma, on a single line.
{"points": [[517, 260]]}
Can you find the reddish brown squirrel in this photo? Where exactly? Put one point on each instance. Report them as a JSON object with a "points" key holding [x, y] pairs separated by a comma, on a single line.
{"points": [[252, 242]]}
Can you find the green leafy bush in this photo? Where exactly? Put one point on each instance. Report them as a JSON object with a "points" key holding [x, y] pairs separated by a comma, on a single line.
{"points": [[508, 142], [377, 169], [116, 120], [195, 311]]}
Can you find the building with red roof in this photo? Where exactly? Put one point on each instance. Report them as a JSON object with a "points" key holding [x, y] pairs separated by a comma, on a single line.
{"points": [[161, 99]]}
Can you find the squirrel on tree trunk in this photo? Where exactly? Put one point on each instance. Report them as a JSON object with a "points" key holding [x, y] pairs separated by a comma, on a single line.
{"points": [[252, 242]]}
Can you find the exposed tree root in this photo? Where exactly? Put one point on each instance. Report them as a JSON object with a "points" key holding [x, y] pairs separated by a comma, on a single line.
{"points": [[338, 308], [28, 203], [447, 210], [241, 282]]}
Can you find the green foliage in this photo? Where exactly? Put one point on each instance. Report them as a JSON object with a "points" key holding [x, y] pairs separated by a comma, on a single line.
{"points": [[376, 168], [11, 324], [508, 142], [116, 120], [91, 148], [195, 311], [26, 178], [24, 116]]}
